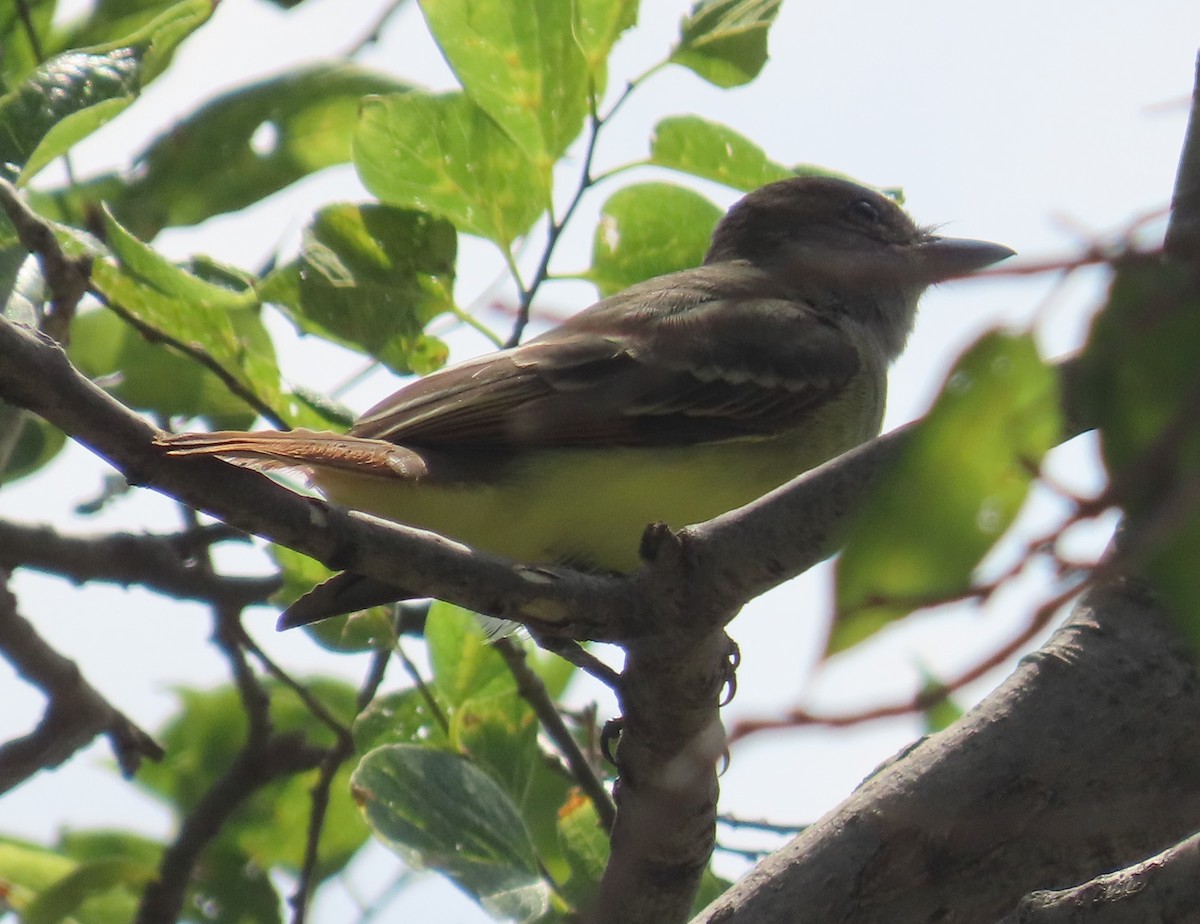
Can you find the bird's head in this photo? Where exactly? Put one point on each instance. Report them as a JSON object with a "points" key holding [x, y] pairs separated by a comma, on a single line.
{"points": [[844, 246]]}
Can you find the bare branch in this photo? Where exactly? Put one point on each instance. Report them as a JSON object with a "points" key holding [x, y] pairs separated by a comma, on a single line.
{"points": [[164, 563], [75, 714], [534, 692], [260, 762], [1162, 888]]}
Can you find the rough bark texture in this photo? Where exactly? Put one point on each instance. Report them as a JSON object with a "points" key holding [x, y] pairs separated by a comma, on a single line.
{"points": [[1083, 762]]}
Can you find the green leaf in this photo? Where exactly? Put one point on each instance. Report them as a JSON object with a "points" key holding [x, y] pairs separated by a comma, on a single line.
{"points": [[102, 844], [1139, 383], [229, 887], [694, 145], [65, 99], [364, 631], [234, 151], [555, 672], [958, 485], [600, 24], [220, 321], [444, 155], [438, 811], [86, 881], [372, 277], [38, 443], [18, 58], [464, 667], [403, 717], [520, 62], [586, 848], [109, 21], [150, 376], [500, 734], [647, 230], [163, 34], [26, 869], [711, 888], [725, 41], [73, 94], [205, 739]]}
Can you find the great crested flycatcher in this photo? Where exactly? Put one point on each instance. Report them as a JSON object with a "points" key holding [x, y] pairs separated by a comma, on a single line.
{"points": [[676, 400]]}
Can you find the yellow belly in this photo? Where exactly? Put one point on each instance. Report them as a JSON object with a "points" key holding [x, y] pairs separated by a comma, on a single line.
{"points": [[589, 506]]}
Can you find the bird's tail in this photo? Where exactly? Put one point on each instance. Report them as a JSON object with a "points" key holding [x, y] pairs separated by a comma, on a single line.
{"points": [[302, 450]]}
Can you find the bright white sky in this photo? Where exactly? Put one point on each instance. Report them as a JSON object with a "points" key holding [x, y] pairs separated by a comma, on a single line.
{"points": [[1041, 126]]}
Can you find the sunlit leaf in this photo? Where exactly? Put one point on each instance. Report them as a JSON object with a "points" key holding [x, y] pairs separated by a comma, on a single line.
{"points": [[464, 667], [600, 24], [647, 230], [694, 145], [88, 880], [725, 41], [444, 155], [61, 95], [437, 810], [73, 94], [109, 21], [372, 277], [957, 487], [234, 151], [521, 63], [222, 322]]}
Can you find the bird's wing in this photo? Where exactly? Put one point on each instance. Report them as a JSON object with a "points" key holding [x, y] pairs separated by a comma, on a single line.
{"points": [[691, 368]]}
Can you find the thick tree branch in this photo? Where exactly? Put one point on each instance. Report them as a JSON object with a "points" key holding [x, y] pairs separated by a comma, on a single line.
{"points": [[1075, 765], [1162, 888]]}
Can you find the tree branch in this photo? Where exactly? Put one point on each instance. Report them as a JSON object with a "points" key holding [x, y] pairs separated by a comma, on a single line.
{"points": [[260, 762], [75, 714], [1075, 764], [1162, 888], [164, 563]]}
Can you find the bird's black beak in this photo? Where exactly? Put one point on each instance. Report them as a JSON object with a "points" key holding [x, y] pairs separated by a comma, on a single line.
{"points": [[946, 257]]}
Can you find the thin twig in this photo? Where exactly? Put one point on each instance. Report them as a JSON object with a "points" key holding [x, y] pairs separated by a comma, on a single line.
{"points": [[228, 379], [66, 277], [373, 32], [342, 751], [257, 764], [556, 227], [533, 691]]}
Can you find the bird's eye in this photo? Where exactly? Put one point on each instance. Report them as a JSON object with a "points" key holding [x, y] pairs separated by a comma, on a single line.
{"points": [[865, 210]]}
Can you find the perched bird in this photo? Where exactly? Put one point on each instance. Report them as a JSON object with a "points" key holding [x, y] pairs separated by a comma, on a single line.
{"points": [[675, 400]]}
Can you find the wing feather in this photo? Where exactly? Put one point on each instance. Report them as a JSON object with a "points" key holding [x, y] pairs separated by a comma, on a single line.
{"points": [[709, 363]]}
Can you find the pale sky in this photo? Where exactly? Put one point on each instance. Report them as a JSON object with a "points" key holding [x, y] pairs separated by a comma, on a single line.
{"points": [[1039, 125]]}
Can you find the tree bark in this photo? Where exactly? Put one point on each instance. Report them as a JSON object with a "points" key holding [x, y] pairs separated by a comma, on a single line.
{"points": [[1083, 762]]}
